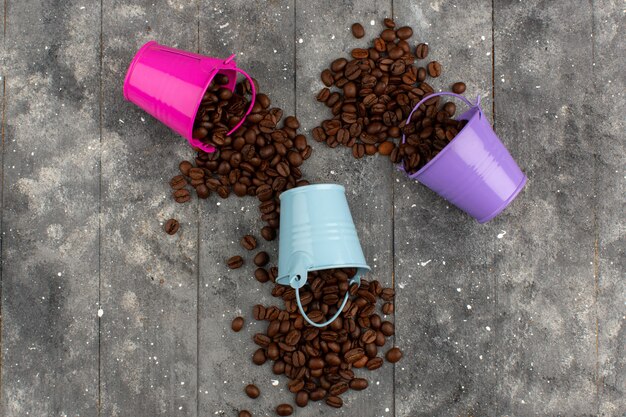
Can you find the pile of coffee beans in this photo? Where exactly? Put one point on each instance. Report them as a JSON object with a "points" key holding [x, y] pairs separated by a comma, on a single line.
{"points": [[373, 94], [259, 159], [321, 362]]}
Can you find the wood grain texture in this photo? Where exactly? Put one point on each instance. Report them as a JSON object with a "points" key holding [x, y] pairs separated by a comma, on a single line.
{"points": [[149, 279], [50, 212], [546, 315], [444, 259]]}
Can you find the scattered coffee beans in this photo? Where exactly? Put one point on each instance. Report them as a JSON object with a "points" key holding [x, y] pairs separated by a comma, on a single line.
{"points": [[171, 226], [237, 324], [375, 91]]}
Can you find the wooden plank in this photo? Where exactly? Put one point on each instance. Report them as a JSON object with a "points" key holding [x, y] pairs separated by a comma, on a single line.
{"points": [[149, 279], [261, 36], [610, 149], [323, 35], [546, 315], [50, 214], [445, 283]]}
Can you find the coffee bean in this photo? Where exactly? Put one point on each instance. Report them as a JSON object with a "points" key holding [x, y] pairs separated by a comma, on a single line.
{"points": [[237, 324], [184, 167], [387, 328], [358, 384], [335, 402], [182, 196], [386, 148], [248, 242], [171, 226], [393, 355], [374, 363], [235, 262], [389, 23], [203, 191], [284, 410], [458, 88], [327, 79], [259, 357], [244, 413], [434, 69], [268, 233], [357, 30], [388, 308], [302, 398], [178, 182], [404, 32], [252, 391], [261, 258]]}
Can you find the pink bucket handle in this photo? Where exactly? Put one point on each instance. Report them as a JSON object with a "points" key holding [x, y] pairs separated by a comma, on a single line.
{"points": [[442, 93], [208, 148]]}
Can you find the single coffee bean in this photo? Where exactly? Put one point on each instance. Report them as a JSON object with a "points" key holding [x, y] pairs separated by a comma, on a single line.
{"points": [[252, 391], [393, 355], [178, 182], [357, 30], [387, 308], [388, 35], [268, 233], [458, 88], [449, 108], [182, 196], [248, 242], [284, 410], [184, 167], [358, 384], [302, 398], [389, 23], [318, 394], [404, 32], [244, 413], [261, 258], [261, 275], [237, 324], [434, 69], [334, 401], [387, 328], [259, 357], [327, 79], [374, 363], [171, 226], [258, 312], [203, 191], [421, 51], [234, 262]]}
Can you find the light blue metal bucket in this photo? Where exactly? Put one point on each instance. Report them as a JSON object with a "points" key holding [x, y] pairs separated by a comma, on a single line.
{"points": [[317, 232]]}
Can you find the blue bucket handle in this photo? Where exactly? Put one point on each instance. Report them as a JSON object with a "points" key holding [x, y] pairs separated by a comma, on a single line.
{"points": [[333, 318]]}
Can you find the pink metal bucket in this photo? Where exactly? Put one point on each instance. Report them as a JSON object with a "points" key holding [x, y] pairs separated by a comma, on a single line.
{"points": [[169, 84], [475, 171]]}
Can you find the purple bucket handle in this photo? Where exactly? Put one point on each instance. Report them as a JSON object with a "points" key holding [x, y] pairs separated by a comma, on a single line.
{"points": [[208, 148], [442, 93]]}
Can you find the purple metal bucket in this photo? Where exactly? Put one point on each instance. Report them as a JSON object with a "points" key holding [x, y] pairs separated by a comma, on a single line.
{"points": [[475, 172]]}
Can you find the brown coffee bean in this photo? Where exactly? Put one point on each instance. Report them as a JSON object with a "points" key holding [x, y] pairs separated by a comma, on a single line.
{"points": [[259, 357], [434, 69], [284, 410], [358, 384], [182, 196], [235, 262], [338, 64], [237, 324], [268, 233], [248, 242], [387, 308], [302, 398], [374, 363], [262, 339], [354, 355], [318, 394], [359, 53], [335, 402], [458, 88], [357, 30], [178, 182], [388, 35], [261, 258], [389, 23], [244, 413], [171, 226], [393, 355], [387, 328], [327, 79], [252, 391], [184, 167], [421, 51], [404, 32]]}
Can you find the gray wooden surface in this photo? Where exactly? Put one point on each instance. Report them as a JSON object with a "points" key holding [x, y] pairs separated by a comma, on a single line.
{"points": [[104, 314]]}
